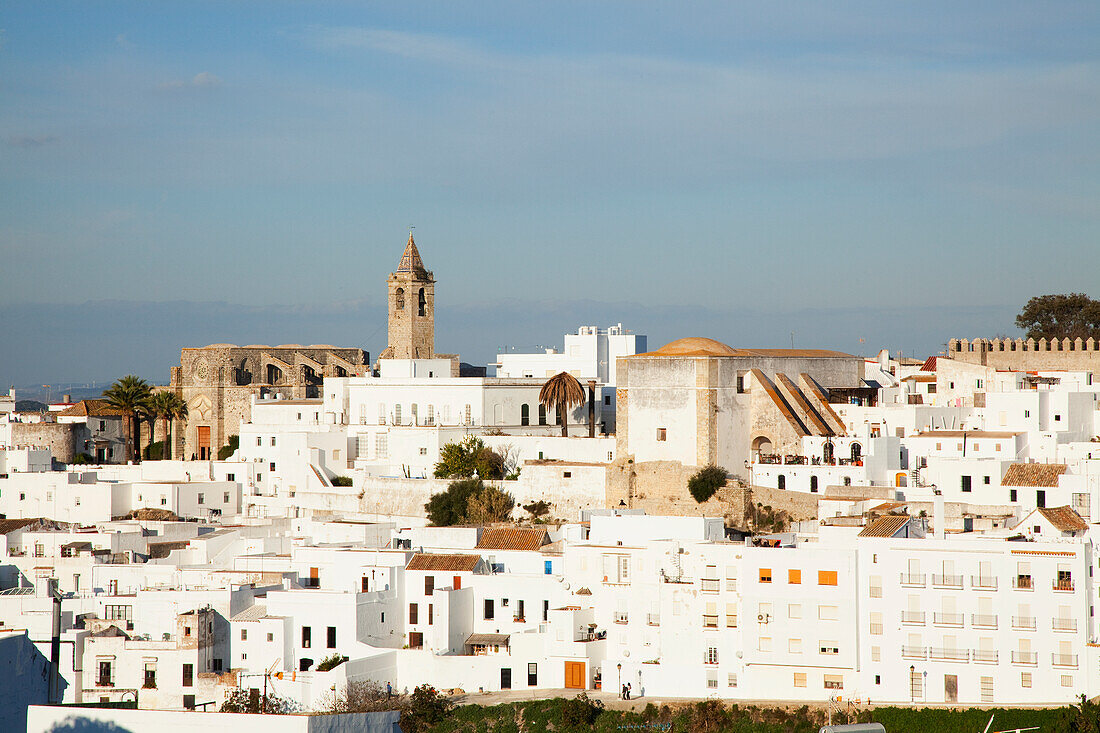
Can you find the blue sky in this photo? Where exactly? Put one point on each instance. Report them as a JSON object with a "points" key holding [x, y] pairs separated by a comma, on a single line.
{"points": [[737, 158]]}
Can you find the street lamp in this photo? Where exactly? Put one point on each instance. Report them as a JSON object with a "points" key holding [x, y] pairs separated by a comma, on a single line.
{"points": [[619, 669]]}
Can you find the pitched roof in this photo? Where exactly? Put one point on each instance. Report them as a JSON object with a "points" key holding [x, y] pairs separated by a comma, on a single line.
{"points": [[110, 631], [91, 408], [255, 612], [700, 346], [451, 563], [487, 639], [410, 259], [1033, 474], [886, 526], [512, 538], [1064, 518], [10, 525], [929, 364]]}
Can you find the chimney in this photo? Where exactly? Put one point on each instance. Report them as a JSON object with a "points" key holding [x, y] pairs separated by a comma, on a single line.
{"points": [[938, 514], [591, 408]]}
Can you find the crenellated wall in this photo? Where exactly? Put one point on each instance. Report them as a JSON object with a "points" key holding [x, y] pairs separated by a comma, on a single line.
{"points": [[1028, 354]]}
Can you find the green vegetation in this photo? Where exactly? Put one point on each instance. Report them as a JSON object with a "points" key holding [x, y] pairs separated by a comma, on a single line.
{"points": [[469, 501], [762, 518], [561, 393], [154, 451], [537, 509], [169, 407], [341, 481], [229, 448], [131, 394], [241, 700], [706, 481], [462, 460], [1061, 316], [331, 662], [82, 459]]}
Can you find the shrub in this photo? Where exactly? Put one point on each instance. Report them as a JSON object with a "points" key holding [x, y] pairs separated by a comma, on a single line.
{"points": [[424, 709], [331, 662], [448, 507], [341, 481], [461, 460], [488, 505], [154, 451], [360, 697], [242, 701], [706, 482], [229, 448], [580, 712], [81, 459]]}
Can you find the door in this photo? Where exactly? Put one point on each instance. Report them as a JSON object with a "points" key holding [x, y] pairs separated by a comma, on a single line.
{"points": [[532, 675], [574, 676], [506, 678], [950, 688], [204, 442]]}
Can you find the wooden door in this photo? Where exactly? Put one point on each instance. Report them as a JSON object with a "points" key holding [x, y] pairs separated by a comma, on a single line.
{"points": [[574, 676], [950, 688], [204, 442]]}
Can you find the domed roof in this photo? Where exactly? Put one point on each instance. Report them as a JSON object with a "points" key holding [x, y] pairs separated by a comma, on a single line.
{"points": [[696, 346]]}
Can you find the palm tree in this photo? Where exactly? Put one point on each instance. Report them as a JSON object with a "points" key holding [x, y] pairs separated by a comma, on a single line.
{"points": [[169, 407], [562, 392], [131, 395]]}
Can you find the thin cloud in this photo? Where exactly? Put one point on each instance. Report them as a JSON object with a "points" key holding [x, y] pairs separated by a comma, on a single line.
{"points": [[203, 79]]}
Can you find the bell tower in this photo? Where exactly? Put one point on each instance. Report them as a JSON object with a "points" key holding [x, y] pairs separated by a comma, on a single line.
{"points": [[411, 308]]}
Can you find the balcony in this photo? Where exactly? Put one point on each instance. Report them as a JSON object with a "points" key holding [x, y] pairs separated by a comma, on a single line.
{"points": [[1065, 585], [914, 652], [1022, 582], [1023, 623], [1028, 658], [947, 619], [978, 581], [731, 621], [622, 617], [731, 584], [710, 585], [912, 618], [983, 621], [710, 622], [950, 655], [1064, 660], [876, 629], [653, 619], [987, 656], [1063, 624], [913, 579], [947, 581]]}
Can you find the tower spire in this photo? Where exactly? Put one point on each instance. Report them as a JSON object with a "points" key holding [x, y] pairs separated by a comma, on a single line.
{"points": [[410, 259]]}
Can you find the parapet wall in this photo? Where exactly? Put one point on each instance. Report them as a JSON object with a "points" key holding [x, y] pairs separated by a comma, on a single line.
{"points": [[1028, 354]]}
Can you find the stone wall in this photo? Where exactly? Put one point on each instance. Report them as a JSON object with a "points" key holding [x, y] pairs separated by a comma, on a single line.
{"points": [[60, 438], [1028, 354]]}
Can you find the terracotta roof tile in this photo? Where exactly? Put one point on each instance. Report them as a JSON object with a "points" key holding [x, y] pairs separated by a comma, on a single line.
{"points": [[91, 408], [929, 364], [886, 526], [1033, 474], [450, 563], [512, 538], [1064, 518]]}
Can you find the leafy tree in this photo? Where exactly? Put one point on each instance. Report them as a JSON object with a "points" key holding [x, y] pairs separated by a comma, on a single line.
{"points": [[706, 481], [426, 707], [342, 481], [1060, 316], [131, 395], [241, 700], [1085, 718], [462, 459], [448, 507], [562, 392], [229, 448], [580, 712], [488, 504], [169, 407]]}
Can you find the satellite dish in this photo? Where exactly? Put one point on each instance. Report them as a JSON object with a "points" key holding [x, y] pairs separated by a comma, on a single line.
{"points": [[565, 585]]}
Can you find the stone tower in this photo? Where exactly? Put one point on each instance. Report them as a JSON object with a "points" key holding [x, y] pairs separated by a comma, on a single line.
{"points": [[411, 308]]}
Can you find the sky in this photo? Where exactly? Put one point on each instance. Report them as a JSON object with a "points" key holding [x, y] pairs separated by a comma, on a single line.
{"points": [[175, 174]]}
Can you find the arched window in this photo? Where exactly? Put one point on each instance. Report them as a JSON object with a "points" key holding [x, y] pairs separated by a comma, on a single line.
{"points": [[421, 302], [525, 414], [847, 480], [857, 451], [542, 414], [399, 299], [813, 484], [827, 453], [782, 482]]}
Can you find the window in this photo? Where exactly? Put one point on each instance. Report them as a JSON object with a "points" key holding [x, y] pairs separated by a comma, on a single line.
{"points": [[826, 577], [188, 675], [813, 484], [244, 634], [765, 575], [187, 631], [740, 384], [732, 680], [104, 678], [1067, 680], [711, 655], [489, 612], [827, 613], [794, 646], [525, 414], [607, 400], [271, 466], [431, 614], [794, 610], [781, 482], [1012, 494], [330, 637], [662, 433], [270, 637], [966, 483], [799, 679], [847, 480], [794, 576], [259, 440], [150, 676], [307, 637], [414, 613], [381, 446], [1025, 679], [985, 480], [397, 414], [764, 643], [542, 414], [834, 682], [429, 585], [829, 647], [272, 441], [225, 497]]}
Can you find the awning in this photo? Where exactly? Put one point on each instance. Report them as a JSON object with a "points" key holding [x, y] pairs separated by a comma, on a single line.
{"points": [[488, 640]]}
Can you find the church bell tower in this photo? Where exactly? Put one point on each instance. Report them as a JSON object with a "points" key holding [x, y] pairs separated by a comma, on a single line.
{"points": [[411, 308]]}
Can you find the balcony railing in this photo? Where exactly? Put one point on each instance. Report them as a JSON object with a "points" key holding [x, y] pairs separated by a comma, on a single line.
{"points": [[947, 619], [621, 617], [985, 655], [1064, 660], [1063, 624], [947, 581], [731, 584], [710, 585], [653, 619], [983, 620], [1028, 658], [1022, 582], [1023, 623], [876, 629], [710, 621], [913, 579], [951, 655], [913, 618], [731, 621], [914, 652], [981, 581], [1062, 585]]}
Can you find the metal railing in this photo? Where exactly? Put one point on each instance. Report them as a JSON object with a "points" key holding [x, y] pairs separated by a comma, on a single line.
{"points": [[914, 652], [1025, 623], [1063, 585], [984, 655], [1030, 658], [983, 620], [1022, 582], [1063, 660], [710, 585], [947, 619], [979, 581], [947, 581], [912, 617], [950, 655], [913, 579], [710, 621], [1063, 624], [731, 621]]}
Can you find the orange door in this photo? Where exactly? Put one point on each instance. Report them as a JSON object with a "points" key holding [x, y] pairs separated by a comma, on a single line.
{"points": [[574, 676], [204, 442]]}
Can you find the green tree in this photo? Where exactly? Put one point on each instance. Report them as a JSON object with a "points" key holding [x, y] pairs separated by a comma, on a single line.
{"points": [[425, 708], [562, 392], [706, 481], [448, 508], [131, 395], [1085, 718], [168, 407], [1075, 315], [470, 455], [487, 505], [229, 448]]}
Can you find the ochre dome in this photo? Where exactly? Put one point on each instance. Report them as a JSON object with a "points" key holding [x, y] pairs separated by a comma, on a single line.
{"points": [[696, 346]]}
